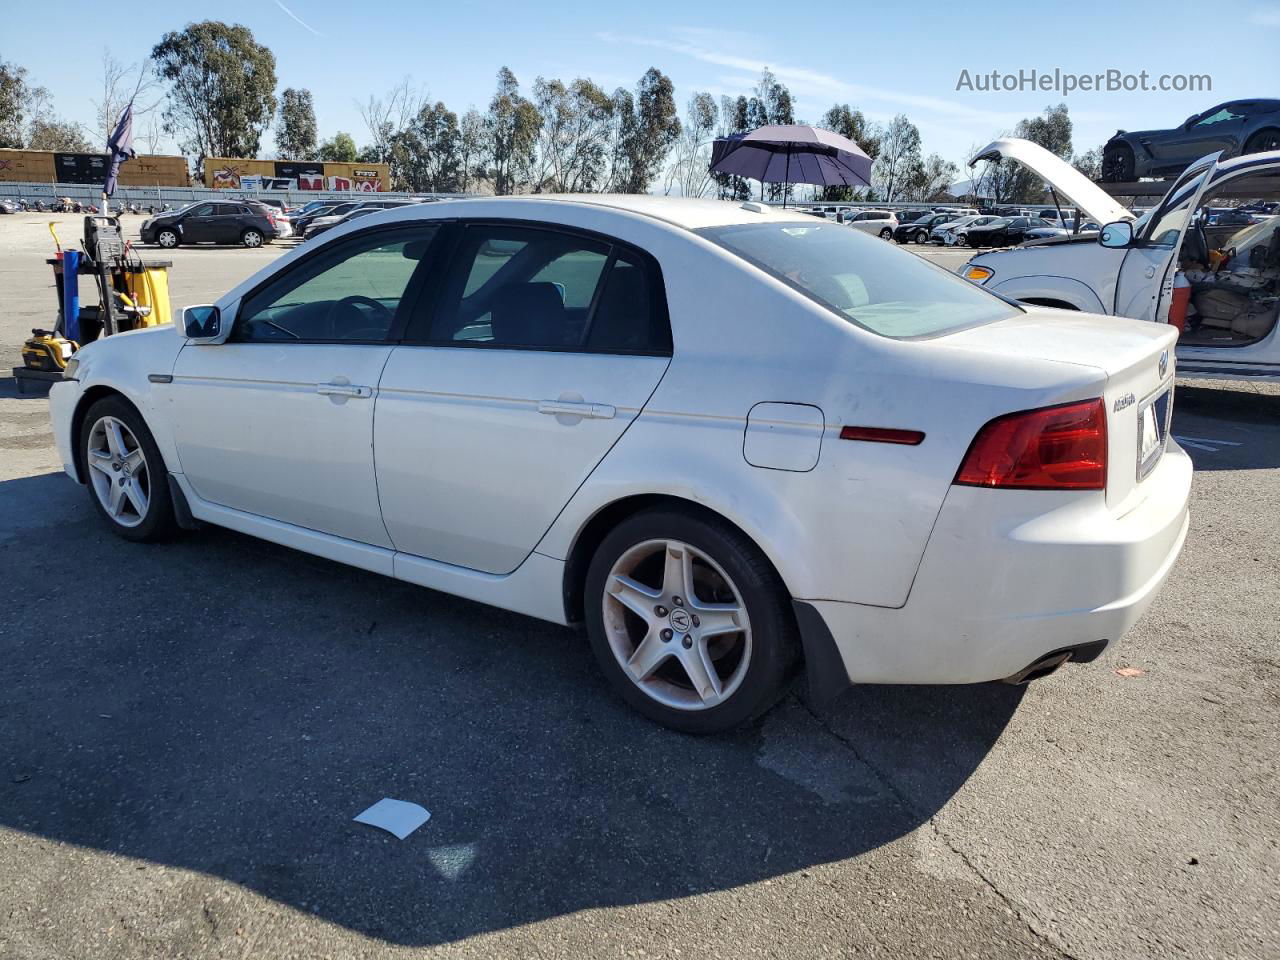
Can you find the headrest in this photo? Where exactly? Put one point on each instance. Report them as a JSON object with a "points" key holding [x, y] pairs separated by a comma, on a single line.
{"points": [[528, 314]]}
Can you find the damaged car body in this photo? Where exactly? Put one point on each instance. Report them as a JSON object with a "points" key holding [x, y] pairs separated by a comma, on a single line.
{"points": [[1220, 286], [1235, 128]]}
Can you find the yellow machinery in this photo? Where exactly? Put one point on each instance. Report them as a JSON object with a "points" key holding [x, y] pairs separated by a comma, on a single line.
{"points": [[132, 293]]}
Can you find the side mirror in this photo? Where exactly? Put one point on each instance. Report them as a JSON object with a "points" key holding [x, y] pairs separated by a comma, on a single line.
{"points": [[201, 324], [1117, 235]]}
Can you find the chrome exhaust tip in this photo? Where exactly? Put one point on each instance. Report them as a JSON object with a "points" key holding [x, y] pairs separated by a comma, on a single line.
{"points": [[1050, 662]]}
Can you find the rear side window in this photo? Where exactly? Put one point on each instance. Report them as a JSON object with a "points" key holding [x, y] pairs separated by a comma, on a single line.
{"points": [[868, 282], [542, 288]]}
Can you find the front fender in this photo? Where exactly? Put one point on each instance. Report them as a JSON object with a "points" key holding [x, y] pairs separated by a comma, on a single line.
{"points": [[1046, 288], [124, 364]]}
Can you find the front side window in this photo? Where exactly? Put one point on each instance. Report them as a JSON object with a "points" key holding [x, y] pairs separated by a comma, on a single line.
{"points": [[869, 283], [517, 286], [1223, 115], [350, 292]]}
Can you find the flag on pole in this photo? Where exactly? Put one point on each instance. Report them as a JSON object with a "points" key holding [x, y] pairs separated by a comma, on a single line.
{"points": [[120, 146]]}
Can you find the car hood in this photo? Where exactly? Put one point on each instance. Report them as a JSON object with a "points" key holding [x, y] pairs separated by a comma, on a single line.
{"points": [[1064, 178]]}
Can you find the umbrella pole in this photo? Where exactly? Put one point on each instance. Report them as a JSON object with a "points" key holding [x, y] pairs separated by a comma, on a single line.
{"points": [[786, 186]]}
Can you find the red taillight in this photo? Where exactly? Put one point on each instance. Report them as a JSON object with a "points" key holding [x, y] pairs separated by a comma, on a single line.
{"points": [[1056, 448]]}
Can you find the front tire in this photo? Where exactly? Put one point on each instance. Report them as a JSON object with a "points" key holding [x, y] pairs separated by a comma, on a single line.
{"points": [[167, 239], [922, 236], [126, 476], [1118, 164], [689, 621]]}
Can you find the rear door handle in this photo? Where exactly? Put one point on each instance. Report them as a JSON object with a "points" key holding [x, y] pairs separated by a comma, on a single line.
{"points": [[575, 408], [343, 390]]}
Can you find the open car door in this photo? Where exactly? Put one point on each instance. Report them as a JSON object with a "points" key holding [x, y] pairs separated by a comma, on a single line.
{"points": [[1144, 286]]}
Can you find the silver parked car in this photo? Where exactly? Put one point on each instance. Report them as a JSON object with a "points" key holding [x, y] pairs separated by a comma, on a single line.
{"points": [[878, 222]]}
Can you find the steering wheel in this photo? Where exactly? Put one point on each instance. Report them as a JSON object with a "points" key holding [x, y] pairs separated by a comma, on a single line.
{"points": [[357, 300]]}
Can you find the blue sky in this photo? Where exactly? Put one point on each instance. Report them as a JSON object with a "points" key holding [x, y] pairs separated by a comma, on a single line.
{"points": [[882, 59]]}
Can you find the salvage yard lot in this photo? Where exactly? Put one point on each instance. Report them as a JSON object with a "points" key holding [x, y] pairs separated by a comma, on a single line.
{"points": [[188, 729]]}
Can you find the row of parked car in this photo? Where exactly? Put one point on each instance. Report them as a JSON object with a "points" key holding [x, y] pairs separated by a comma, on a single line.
{"points": [[962, 227], [253, 221]]}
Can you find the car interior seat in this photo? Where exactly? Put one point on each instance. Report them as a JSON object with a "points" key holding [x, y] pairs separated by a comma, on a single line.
{"points": [[529, 314]]}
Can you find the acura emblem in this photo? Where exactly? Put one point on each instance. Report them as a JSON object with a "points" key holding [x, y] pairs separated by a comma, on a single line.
{"points": [[1164, 364]]}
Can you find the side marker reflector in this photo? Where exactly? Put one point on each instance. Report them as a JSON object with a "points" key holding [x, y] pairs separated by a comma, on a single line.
{"points": [[910, 438]]}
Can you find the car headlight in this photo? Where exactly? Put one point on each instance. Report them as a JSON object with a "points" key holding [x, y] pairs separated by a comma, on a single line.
{"points": [[978, 274], [69, 371]]}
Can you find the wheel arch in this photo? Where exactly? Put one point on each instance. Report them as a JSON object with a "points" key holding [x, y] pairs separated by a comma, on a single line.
{"points": [[1052, 291], [592, 533], [1253, 137], [87, 399]]}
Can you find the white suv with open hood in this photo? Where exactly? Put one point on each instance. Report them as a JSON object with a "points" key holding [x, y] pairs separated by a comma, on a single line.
{"points": [[1129, 268]]}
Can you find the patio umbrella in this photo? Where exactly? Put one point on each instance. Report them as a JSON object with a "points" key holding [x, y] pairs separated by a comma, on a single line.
{"points": [[792, 154]]}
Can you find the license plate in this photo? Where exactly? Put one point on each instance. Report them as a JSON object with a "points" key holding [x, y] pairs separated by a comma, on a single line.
{"points": [[1153, 431]]}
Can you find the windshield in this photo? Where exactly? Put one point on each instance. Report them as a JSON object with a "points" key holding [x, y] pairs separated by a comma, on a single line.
{"points": [[863, 279]]}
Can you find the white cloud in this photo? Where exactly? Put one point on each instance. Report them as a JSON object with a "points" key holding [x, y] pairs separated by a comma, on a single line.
{"points": [[817, 85]]}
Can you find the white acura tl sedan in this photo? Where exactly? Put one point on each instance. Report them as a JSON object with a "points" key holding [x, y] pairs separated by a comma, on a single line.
{"points": [[735, 443]]}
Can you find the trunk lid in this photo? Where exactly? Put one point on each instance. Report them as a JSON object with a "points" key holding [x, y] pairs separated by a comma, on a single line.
{"points": [[1135, 357], [1064, 178]]}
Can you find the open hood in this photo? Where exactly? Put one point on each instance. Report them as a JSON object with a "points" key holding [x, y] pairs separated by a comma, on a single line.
{"points": [[1069, 182]]}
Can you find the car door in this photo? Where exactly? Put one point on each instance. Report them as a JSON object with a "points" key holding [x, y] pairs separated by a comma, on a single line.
{"points": [[1144, 284], [541, 347], [278, 420], [1219, 129], [228, 221], [198, 224]]}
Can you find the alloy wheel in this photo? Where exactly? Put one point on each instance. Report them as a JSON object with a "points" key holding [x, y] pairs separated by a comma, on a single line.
{"points": [[167, 238], [677, 624], [252, 238], [118, 471]]}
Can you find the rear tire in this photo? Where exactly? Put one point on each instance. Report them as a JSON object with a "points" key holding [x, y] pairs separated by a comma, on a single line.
{"points": [[124, 472], [689, 621], [1262, 141], [251, 238], [886, 234]]}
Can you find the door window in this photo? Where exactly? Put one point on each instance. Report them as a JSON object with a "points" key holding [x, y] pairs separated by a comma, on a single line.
{"points": [[352, 292], [1218, 116], [204, 210], [530, 287]]}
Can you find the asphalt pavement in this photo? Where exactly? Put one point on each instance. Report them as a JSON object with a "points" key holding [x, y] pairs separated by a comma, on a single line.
{"points": [[186, 731]]}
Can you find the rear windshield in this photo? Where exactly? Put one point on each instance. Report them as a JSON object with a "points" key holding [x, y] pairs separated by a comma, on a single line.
{"points": [[863, 279]]}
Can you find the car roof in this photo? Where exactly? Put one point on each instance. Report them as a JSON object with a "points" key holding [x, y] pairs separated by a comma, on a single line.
{"points": [[686, 212]]}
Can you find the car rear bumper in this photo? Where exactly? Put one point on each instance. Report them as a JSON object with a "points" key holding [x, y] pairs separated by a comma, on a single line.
{"points": [[1010, 576]]}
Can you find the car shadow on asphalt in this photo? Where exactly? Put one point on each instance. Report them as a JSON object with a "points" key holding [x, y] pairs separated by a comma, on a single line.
{"points": [[1227, 428], [226, 706]]}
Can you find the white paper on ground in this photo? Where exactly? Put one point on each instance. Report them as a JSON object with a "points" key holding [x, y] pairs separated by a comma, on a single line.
{"points": [[398, 817]]}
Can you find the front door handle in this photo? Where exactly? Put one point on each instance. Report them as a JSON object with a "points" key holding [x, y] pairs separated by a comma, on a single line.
{"points": [[343, 390], [577, 409]]}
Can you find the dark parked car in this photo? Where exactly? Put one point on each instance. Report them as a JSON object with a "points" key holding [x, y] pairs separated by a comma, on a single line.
{"points": [[919, 230], [1005, 232], [212, 222], [1238, 127]]}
